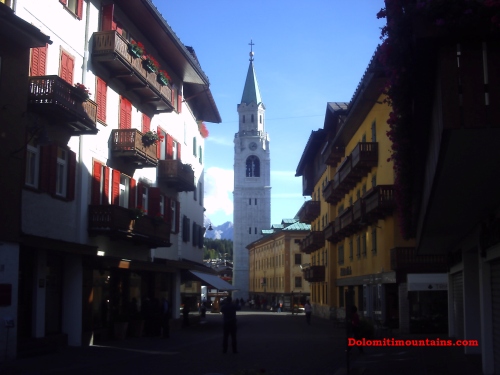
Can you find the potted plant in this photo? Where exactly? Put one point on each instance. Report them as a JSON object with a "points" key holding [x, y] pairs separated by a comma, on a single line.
{"points": [[81, 91], [203, 129], [138, 212], [158, 219], [150, 64], [136, 49], [163, 77], [151, 138]]}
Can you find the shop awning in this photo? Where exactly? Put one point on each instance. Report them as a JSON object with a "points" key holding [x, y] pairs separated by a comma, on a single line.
{"points": [[213, 280], [427, 282]]}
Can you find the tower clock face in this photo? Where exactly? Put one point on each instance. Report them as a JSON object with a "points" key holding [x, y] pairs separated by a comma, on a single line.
{"points": [[253, 146]]}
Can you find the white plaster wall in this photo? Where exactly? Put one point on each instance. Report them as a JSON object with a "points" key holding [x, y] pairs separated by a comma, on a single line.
{"points": [[9, 274]]}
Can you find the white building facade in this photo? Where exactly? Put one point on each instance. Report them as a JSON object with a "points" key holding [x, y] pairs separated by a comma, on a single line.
{"points": [[252, 182], [110, 222]]}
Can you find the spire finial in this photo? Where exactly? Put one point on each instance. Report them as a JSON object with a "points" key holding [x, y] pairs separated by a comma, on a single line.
{"points": [[251, 44]]}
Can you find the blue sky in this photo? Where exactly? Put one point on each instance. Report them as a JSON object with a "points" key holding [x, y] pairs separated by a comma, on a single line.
{"points": [[307, 53]]}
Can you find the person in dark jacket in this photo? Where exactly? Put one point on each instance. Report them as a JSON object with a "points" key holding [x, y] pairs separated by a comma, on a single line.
{"points": [[228, 311]]}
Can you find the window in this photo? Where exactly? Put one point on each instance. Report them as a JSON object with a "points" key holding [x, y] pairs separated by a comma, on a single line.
{"points": [[255, 201], [363, 189], [358, 246], [194, 147], [298, 259], [185, 228], [201, 194], [57, 171], [298, 282], [363, 244], [249, 230], [374, 180], [255, 232], [260, 119], [243, 118], [195, 234], [66, 67], [195, 192], [340, 251], [100, 184], [74, 6], [201, 156], [125, 114], [253, 166], [38, 65], [374, 240], [123, 195], [363, 138], [374, 131], [351, 249], [172, 148], [251, 120], [102, 91], [32, 165], [249, 201], [174, 216]]}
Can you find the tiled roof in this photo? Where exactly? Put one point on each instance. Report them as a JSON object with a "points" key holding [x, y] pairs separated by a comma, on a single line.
{"points": [[298, 226]]}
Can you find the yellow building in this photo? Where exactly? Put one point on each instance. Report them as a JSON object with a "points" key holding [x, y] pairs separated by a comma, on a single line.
{"points": [[276, 264], [355, 239]]}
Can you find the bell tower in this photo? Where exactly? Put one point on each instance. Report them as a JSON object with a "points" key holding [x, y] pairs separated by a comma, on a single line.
{"points": [[252, 179]]}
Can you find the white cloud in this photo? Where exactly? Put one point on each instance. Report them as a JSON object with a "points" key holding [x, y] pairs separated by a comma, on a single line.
{"points": [[220, 140], [219, 186]]}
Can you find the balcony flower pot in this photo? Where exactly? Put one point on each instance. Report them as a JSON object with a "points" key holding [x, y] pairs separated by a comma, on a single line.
{"points": [[81, 92], [163, 78], [151, 65], [151, 138], [158, 219], [137, 213], [136, 49]]}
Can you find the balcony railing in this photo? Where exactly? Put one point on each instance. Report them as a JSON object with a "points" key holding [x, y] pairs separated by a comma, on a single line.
{"points": [[308, 182], [309, 211], [334, 155], [406, 260], [379, 202], [364, 157], [330, 234], [119, 223], [174, 174], [111, 51], [314, 274], [312, 242], [347, 224], [331, 193], [127, 144], [63, 103]]}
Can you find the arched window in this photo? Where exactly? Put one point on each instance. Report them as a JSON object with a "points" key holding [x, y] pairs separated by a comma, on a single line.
{"points": [[260, 119], [253, 166], [252, 119], [243, 118]]}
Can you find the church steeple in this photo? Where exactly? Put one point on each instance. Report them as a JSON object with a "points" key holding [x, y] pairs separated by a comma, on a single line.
{"points": [[251, 92]]}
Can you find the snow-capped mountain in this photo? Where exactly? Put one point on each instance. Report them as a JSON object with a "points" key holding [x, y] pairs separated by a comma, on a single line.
{"points": [[220, 232]]}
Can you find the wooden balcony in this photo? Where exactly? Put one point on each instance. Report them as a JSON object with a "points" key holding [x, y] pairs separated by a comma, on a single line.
{"points": [[119, 223], [405, 259], [330, 234], [334, 155], [309, 211], [176, 175], [111, 52], [347, 224], [308, 181], [63, 104], [358, 210], [127, 144], [379, 202], [312, 242], [314, 274], [364, 157], [331, 192]]}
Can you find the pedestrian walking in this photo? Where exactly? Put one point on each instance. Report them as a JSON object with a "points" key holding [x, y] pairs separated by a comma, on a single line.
{"points": [[355, 327], [185, 314], [308, 311], [228, 311]]}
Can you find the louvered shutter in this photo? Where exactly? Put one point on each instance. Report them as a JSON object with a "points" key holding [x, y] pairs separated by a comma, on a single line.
{"points": [[107, 17], [64, 2], [178, 151], [79, 9], [115, 187], [67, 67], [96, 183], [140, 189], [102, 90], [169, 145], [154, 201], [179, 102], [159, 145], [177, 216], [125, 114], [132, 194], [105, 187], [70, 192], [38, 61], [146, 123]]}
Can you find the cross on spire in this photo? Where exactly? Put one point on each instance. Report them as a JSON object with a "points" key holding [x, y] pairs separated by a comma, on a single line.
{"points": [[251, 44]]}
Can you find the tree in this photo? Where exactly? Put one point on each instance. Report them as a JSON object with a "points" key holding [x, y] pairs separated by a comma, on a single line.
{"points": [[213, 249]]}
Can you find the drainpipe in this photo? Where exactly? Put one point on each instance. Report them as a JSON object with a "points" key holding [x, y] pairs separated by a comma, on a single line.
{"points": [[80, 190]]}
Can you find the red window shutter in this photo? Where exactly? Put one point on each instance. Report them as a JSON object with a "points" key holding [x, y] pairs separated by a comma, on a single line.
{"points": [[159, 145], [67, 67], [107, 17], [140, 188], [154, 201], [177, 216], [169, 144], [146, 123], [105, 187], [178, 151], [115, 187], [131, 194], [125, 114], [64, 2], [38, 61], [70, 194], [79, 9], [96, 183], [102, 90], [179, 102]]}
